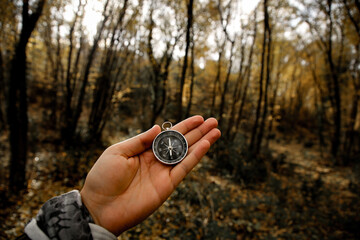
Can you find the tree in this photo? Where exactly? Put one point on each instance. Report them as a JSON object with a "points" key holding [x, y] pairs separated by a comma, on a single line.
{"points": [[335, 143], [70, 76], [160, 66], [239, 93], [224, 89], [189, 4], [2, 94], [216, 83], [17, 102], [267, 30], [192, 76], [256, 136], [106, 83], [353, 14], [8, 35], [72, 114], [50, 28], [325, 42]]}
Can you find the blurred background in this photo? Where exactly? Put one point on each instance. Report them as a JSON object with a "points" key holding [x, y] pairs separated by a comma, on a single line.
{"points": [[282, 78]]}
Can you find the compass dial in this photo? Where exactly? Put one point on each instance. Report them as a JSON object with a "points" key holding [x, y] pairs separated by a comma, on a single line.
{"points": [[170, 147]]}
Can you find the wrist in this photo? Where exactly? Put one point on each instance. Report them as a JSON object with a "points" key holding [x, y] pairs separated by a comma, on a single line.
{"points": [[89, 205], [98, 212]]}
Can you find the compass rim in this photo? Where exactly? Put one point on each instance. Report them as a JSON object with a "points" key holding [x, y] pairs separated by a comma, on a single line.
{"points": [[156, 152]]}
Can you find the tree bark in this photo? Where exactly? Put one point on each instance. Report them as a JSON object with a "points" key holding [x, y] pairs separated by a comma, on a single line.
{"points": [[352, 19], [160, 72], [70, 82], [253, 141], [237, 90], [192, 80], [105, 84], [267, 81], [226, 84], [70, 127], [319, 102], [184, 68], [350, 133], [247, 76], [17, 102], [2, 93], [156, 68], [216, 83], [335, 142], [273, 99], [232, 44]]}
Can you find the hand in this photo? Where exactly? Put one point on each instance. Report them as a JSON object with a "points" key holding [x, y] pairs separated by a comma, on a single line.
{"points": [[127, 183]]}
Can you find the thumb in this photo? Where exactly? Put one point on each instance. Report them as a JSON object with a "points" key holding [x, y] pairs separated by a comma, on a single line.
{"points": [[139, 143]]}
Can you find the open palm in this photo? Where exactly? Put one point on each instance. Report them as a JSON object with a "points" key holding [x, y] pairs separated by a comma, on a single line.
{"points": [[127, 183]]}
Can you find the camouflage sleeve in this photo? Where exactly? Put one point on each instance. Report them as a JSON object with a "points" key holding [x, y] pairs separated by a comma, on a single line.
{"points": [[65, 217]]}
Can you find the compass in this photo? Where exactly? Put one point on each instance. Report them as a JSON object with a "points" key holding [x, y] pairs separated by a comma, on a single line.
{"points": [[169, 146]]}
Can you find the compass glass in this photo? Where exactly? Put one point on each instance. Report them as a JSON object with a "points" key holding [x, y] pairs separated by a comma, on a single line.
{"points": [[170, 147]]}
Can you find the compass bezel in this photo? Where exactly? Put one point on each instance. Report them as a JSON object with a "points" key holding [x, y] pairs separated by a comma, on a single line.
{"points": [[162, 135]]}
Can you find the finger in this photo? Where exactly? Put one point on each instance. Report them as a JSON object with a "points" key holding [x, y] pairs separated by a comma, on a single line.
{"points": [[139, 143], [188, 124], [183, 168], [196, 134], [212, 136]]}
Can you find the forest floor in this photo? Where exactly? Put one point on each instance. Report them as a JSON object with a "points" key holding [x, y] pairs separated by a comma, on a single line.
{"points": [[305, 197]]}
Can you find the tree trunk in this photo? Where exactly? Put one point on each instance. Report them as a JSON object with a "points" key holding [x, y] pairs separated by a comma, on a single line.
{"points": [[237, 90], [273, 100], [160, 72], [352, 19], [350, 133], [254, 132], [216, 82], [267, 81], [226, 84], [224, 23], [103, 91], [2, 93], [69, 81], [319, 102], [54, 90], [192, 81], [349, 140], [17, 103], [336, 141], [247, 76], [351, 126], [184, 68], [71, 125]]}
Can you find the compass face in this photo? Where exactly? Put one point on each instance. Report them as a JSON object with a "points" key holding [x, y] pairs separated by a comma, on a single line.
{"points": [[170, 147]]}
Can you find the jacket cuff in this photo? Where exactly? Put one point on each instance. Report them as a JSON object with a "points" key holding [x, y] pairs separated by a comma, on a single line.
{"points": [[65, 217]]}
